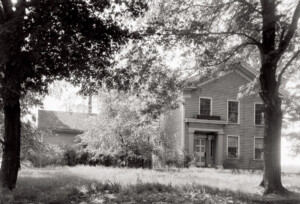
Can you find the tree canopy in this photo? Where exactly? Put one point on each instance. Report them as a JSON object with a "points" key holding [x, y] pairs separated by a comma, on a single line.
{"points": [[262, 32], [44, 40]]}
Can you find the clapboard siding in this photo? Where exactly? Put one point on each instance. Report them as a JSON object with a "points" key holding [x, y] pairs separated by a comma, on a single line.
{"points": [[173, 129], [220, 91]]}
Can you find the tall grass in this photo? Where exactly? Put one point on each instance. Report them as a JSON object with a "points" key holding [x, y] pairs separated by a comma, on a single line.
{"points": [[66, 184]]}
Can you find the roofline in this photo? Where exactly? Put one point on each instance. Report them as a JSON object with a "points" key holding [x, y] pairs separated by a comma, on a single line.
{"points": [[229, 72], [212, 79], [249, 68]]}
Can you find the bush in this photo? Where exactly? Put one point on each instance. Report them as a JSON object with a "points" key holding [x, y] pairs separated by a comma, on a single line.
{"points": [[70, 157], [188, 160], [49, 155], [134, 155]]}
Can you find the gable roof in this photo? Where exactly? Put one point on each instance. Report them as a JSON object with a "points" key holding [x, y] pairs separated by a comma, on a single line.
{"points": [[241, 68], [61, 121]]}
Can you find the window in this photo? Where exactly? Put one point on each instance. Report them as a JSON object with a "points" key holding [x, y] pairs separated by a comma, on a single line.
{"points": [[259, 114], [258, 148], [233, 111], [205, 106], [233, 147]]}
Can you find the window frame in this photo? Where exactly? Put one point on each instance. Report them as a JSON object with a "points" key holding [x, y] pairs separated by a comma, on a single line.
{"points": [[254, 149], [239, 146], [239, 112], [258, 125], [201, 97]]}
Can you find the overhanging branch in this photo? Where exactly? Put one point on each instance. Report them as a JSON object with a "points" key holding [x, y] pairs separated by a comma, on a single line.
{"points": [[187, 32], [249, 5], [287, 66], [291, 31], [230, 55]]}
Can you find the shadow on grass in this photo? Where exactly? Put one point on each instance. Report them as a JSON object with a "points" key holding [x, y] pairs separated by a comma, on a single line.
{"points": [[61, 189], [237, 196]]}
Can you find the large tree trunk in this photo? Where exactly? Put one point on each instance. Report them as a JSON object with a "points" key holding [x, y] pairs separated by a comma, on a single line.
{"points": [[272, 148], [12, 127], [11, 151], [272, 131]]}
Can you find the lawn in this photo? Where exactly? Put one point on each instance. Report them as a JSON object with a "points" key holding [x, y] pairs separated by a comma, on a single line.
{"points": [[84, 184]]}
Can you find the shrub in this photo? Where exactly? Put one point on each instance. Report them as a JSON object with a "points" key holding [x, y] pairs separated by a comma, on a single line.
{"points": [[188, 160], [49, 155], [70, 157]]}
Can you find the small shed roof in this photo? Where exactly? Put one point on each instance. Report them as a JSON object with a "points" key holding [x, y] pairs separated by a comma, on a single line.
{"points": [[61, 121]]}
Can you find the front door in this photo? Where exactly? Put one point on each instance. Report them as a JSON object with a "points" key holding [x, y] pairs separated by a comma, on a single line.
{"points": [[199, 149]]}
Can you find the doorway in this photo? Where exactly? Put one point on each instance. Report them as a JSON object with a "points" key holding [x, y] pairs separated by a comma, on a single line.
{"points": [[199, 150]]}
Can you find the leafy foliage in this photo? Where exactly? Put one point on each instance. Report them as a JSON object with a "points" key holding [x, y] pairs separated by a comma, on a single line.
{"points": [[120, 129]]}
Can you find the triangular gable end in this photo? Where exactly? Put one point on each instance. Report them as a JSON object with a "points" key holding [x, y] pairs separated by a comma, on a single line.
{"points": [[243, 70]]}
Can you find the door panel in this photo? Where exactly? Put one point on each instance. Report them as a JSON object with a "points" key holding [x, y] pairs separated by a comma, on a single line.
{"points": [[199, 149]]}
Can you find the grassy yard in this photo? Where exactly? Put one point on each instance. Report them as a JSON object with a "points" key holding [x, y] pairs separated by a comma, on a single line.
{"points": [[84, 184]]}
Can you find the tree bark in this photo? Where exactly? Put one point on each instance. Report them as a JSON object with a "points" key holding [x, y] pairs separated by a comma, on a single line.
{"points": [[11, 150], [272, 150], [272, 131], [12, 126]]}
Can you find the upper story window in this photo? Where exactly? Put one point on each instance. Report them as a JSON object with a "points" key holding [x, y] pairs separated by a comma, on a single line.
{"points": [[259, 114], [258, 148], [233, 111], [232, 147], [205, 106]]}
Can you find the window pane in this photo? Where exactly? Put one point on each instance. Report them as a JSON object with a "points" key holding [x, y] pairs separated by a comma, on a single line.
{"points": [[232, 152], [259, 154], [233, 111], [259, 117], [205, 106], [232, 141], [259, 149], [259, 143], [233, 146]]}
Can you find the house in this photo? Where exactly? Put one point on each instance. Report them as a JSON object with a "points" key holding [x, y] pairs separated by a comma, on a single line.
{"points": [[214, 125], [64, 126]]}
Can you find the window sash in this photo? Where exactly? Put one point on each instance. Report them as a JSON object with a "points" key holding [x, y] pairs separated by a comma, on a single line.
{"points": [[233, 147], [205, 106], [258, 148], [233, 111], [259, 119]]}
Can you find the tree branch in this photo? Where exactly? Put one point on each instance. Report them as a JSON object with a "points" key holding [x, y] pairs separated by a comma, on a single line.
{"points": [[187, 32], [291, 31], [287, 66], [8, 8], [249, 5], [230, 55]]}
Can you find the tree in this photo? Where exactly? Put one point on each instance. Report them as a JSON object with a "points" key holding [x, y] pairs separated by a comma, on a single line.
{"points": [[44, 40], [222, 31]]}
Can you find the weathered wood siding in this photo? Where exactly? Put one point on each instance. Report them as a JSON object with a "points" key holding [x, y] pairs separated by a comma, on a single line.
{"points": [[172, 128], [221, 90]]}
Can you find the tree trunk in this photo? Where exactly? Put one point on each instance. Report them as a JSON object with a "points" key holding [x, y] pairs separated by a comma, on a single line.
{"points": [[272, 131], [11, 150], [12, 126], [272, 151]]}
